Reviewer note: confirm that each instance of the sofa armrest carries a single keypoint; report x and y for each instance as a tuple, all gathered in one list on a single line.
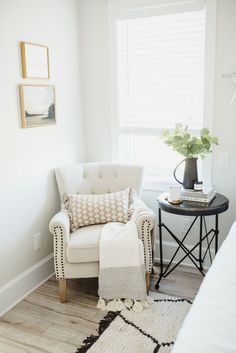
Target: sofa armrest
[(144, 218), (60, 228)]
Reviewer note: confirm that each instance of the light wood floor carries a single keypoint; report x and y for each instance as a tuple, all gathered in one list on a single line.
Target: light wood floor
[(41, 324)]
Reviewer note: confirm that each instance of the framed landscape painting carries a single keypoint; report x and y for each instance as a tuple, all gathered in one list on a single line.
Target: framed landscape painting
[(35, 61), (37, 105)]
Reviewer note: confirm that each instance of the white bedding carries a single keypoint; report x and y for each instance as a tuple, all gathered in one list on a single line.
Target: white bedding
[(210, 326)]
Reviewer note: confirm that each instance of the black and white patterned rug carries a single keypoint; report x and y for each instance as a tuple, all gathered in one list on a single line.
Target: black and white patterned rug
[(153, 330)]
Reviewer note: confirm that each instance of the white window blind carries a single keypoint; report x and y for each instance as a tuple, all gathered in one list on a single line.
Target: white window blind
[(160, 77), (161, 70)]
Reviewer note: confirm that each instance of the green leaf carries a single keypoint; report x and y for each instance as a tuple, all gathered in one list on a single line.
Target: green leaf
[(178, 126), (196, 149), (215, 140), (177, 138), (168, 142), (186, 137), (187, 145), (183, 151), (204, 132), (165, 134), (206, 143)]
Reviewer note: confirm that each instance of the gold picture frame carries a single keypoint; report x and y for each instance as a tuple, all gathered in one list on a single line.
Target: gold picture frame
[(35, 61), (38, 105)]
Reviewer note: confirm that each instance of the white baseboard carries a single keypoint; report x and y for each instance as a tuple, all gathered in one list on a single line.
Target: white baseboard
[(169, 249), (22, 285)]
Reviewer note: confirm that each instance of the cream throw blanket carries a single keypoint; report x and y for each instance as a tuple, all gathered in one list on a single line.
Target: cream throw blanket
[(122, 271)]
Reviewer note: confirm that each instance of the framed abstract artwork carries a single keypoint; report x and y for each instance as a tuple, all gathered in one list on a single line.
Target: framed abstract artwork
[(37, 105), (35, 61)]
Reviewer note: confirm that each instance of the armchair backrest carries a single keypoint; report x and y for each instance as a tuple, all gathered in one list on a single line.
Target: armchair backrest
[(98, 178)]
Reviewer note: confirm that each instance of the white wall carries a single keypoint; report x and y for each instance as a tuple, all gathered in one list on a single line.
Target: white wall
[(224, 113), (95, 71), (95, 77), (28, 192)]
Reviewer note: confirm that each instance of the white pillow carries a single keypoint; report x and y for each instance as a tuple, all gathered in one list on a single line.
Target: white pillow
[(85, 210)]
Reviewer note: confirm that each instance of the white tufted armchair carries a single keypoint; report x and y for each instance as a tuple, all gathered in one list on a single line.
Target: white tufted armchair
[(76, 255)]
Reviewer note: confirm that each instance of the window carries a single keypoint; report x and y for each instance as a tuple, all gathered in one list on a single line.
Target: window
[(160, 81)]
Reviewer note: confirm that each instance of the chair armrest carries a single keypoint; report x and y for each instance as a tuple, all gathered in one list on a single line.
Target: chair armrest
[(61, 220), (60, 228), (141, 212), (144, 218)]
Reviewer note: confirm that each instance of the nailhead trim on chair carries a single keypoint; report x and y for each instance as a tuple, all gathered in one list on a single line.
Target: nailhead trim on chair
[(147, 235), (59, 248), (59, 252)]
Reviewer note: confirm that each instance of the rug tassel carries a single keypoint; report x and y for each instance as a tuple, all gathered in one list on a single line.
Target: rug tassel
[(137, 307), (128, 303), (87, 343), (101, 304), (111, 306), (105, 322), (115, 305), (120, 305), (103, 325)]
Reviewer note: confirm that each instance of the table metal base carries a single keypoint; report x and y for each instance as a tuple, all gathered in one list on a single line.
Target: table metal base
[(204, 234)]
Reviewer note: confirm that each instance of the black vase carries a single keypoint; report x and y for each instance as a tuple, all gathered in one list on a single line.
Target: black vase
[(190, 173)]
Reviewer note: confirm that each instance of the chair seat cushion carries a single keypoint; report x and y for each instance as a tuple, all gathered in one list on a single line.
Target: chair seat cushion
[(83, 245)]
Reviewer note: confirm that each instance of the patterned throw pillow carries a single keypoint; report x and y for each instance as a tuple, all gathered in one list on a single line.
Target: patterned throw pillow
[(85, 210)]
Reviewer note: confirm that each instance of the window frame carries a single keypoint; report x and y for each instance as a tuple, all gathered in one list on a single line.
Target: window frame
[(118, 10)]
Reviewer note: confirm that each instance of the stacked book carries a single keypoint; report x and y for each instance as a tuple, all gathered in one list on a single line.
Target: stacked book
[(206, 195)]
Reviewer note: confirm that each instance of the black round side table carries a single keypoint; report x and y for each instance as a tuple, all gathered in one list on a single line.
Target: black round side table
[(199, 210)]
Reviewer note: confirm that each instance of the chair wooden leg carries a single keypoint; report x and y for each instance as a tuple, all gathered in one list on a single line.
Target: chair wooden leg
[(148, 281), (62, 290)]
